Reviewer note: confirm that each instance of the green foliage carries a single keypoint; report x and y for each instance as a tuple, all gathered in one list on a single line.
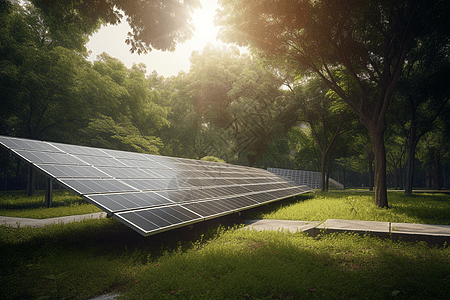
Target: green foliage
[(213, 158), (123, 112), (348, 44), (241, 94), (37, 77), (159, 25), (188, 135)]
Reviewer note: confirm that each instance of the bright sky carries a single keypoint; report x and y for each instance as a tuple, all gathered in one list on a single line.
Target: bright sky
[(111, 39)]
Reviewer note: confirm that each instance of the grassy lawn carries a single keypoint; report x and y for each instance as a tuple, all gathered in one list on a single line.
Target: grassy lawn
[(64, 203), (216, 261), (418, 208)]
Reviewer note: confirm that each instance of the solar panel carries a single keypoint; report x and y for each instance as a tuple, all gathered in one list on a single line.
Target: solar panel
[(151, 193)]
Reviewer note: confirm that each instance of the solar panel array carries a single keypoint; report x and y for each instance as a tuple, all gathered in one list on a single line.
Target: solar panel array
[(308, 178), (152, 193)]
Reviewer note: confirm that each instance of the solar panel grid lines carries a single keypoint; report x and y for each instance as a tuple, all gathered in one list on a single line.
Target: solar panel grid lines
[(146, 221), (152, 193), (299, 177)]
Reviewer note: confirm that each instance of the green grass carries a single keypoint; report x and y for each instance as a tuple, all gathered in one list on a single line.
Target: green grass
[(351, 205), (419, 208), (64, 203), (274, 265), (94, 257), (215, 260)]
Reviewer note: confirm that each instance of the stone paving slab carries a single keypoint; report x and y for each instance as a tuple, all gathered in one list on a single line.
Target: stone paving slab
[(292, 226), (443, 230), (431, 234), (22, 222), (380, 229), (355, 225)]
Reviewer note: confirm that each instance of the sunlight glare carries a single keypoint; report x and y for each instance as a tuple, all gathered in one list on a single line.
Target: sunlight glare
[(205, 31)]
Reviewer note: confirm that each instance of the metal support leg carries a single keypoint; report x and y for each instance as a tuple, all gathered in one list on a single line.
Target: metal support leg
[(31, 181), (48, 192)]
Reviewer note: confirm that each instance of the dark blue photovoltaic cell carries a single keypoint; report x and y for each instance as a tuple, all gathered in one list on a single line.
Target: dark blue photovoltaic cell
[(201, 209), (138, 221), (177, 195), (106, 202), (152, 193), (262, 197), (17, 144), (126, 155), (81, 150), (122, 173), (242, 202), (153, 218), (201, 194), (159, 173), (50, 158), (147, 199), (97, 186), (159, 218), (100, 161), (64, 171), (152, 184), (120, 202)]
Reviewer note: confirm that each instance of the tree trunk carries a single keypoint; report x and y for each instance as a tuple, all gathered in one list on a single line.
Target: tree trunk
[(324, 171), (438, 175), (395, 178), (31, 181), (410, 166), (343, 181), (328, 176), (370, 157), (370, 176), (380, 165)]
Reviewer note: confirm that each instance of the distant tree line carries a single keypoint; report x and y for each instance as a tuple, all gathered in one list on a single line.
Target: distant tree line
[(361, 95)]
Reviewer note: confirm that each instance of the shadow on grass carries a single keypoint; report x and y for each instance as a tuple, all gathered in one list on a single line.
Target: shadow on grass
[(428, 208), (270, 265), (92, 252)]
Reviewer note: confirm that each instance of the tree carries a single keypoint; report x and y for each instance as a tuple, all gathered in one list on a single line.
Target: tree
[(187, 135), (240, 94), (423, 93), (363, 42), (396, 150), (327, 119), (307, 157), (37, 77), (123, 113), (435, 148), (159, 24)]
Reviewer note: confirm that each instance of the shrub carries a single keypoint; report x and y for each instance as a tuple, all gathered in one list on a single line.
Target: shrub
[(213, 158)]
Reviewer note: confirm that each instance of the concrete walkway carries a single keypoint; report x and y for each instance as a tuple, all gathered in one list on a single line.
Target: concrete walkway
[(432, 234), (22, 222)]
